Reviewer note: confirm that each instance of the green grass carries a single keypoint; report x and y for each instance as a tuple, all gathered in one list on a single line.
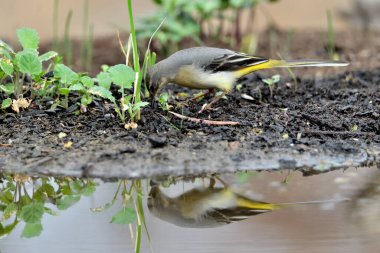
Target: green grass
[(331, 43), (56, 46), (67, 45)]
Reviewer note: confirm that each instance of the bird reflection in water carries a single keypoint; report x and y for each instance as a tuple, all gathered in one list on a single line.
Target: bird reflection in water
[(207, 207), (365, 207)]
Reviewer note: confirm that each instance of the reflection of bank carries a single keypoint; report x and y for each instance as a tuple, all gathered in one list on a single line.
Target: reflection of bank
[(365, 207), (209, 206)]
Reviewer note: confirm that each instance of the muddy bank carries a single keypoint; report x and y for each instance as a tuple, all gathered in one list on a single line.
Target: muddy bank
[(324, 124)]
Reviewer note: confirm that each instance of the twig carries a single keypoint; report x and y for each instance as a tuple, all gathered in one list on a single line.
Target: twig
[(205, 121), (338, 132), (6, 145)]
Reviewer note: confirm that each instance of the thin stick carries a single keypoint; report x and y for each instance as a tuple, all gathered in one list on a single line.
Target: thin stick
[(338, 132), (122, 48), (6, 145), (205, 121)]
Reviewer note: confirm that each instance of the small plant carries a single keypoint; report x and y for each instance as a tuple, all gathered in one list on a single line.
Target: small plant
[(18, 67), (163, 101), (270, 82)]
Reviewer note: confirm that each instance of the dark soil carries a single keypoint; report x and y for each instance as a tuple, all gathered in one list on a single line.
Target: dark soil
[(325, 124)]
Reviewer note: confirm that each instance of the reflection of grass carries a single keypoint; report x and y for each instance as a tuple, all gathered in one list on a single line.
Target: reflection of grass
[(132, 209), (26, 199)]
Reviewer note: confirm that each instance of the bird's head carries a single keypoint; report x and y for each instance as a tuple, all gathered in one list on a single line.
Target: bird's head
[(155, 80)]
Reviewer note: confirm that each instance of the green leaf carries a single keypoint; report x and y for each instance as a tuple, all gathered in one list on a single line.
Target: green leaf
[(5, 53), (87, 81), (4, 231), (10, 210), (32, 230), (164, 97), (89, 189), (272, 80), (64, 91), (104, 80), (6, 103), (77, 86), (7, 88), (6, 46), (32, 213), (139, 105), (86, 100), (122, 75), (102, 92), (67, 201), (47, 56), (124, 216), (28, 62), (64, 73), (7, 66), (28, 38), (50, 211)]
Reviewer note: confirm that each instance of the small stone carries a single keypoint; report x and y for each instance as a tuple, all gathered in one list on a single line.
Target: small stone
[(157, 141)]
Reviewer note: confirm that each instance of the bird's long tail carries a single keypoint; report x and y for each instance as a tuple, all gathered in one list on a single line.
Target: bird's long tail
[(254, 205), (289, 64)]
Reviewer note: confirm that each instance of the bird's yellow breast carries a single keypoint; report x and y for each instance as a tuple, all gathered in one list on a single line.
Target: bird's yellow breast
[(195, 78)]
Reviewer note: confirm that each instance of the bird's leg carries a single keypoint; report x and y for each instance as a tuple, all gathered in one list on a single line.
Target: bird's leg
[(212, 182), (209, 91), (206, 107)]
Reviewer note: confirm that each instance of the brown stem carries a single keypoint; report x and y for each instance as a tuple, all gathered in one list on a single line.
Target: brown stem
[(237, 27), (205, 121)]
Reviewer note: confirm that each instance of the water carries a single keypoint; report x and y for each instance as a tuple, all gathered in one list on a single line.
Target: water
[(327, 227)]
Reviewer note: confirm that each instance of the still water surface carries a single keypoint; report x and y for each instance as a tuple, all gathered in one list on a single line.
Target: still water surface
[(327, 227)]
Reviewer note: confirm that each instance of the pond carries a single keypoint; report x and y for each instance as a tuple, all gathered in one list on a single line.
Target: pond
[(338, 213)]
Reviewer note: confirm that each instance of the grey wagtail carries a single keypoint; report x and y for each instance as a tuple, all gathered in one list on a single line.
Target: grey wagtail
[(215, 68), (209, 207)]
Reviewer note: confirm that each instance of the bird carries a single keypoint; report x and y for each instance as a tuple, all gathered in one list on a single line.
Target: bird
[(210, 68), (209, 207)]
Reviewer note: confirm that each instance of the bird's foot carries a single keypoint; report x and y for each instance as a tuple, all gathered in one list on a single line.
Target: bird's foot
[(207, 107)]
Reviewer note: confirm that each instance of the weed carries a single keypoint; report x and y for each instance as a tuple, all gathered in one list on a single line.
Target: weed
[(17, 66), (270, 82), (163, 101)]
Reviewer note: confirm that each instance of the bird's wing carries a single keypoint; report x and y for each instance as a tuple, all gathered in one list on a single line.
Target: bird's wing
[(232, 62), (229, 215)]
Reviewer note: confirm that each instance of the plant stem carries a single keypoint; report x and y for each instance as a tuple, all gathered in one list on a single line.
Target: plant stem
[(67, 42), (89, 47), (330, 36), (237, 27), (137, 88), (83, 46), (56, 46)]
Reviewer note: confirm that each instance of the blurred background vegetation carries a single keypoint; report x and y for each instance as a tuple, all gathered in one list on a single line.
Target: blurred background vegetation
[(84, 31)]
